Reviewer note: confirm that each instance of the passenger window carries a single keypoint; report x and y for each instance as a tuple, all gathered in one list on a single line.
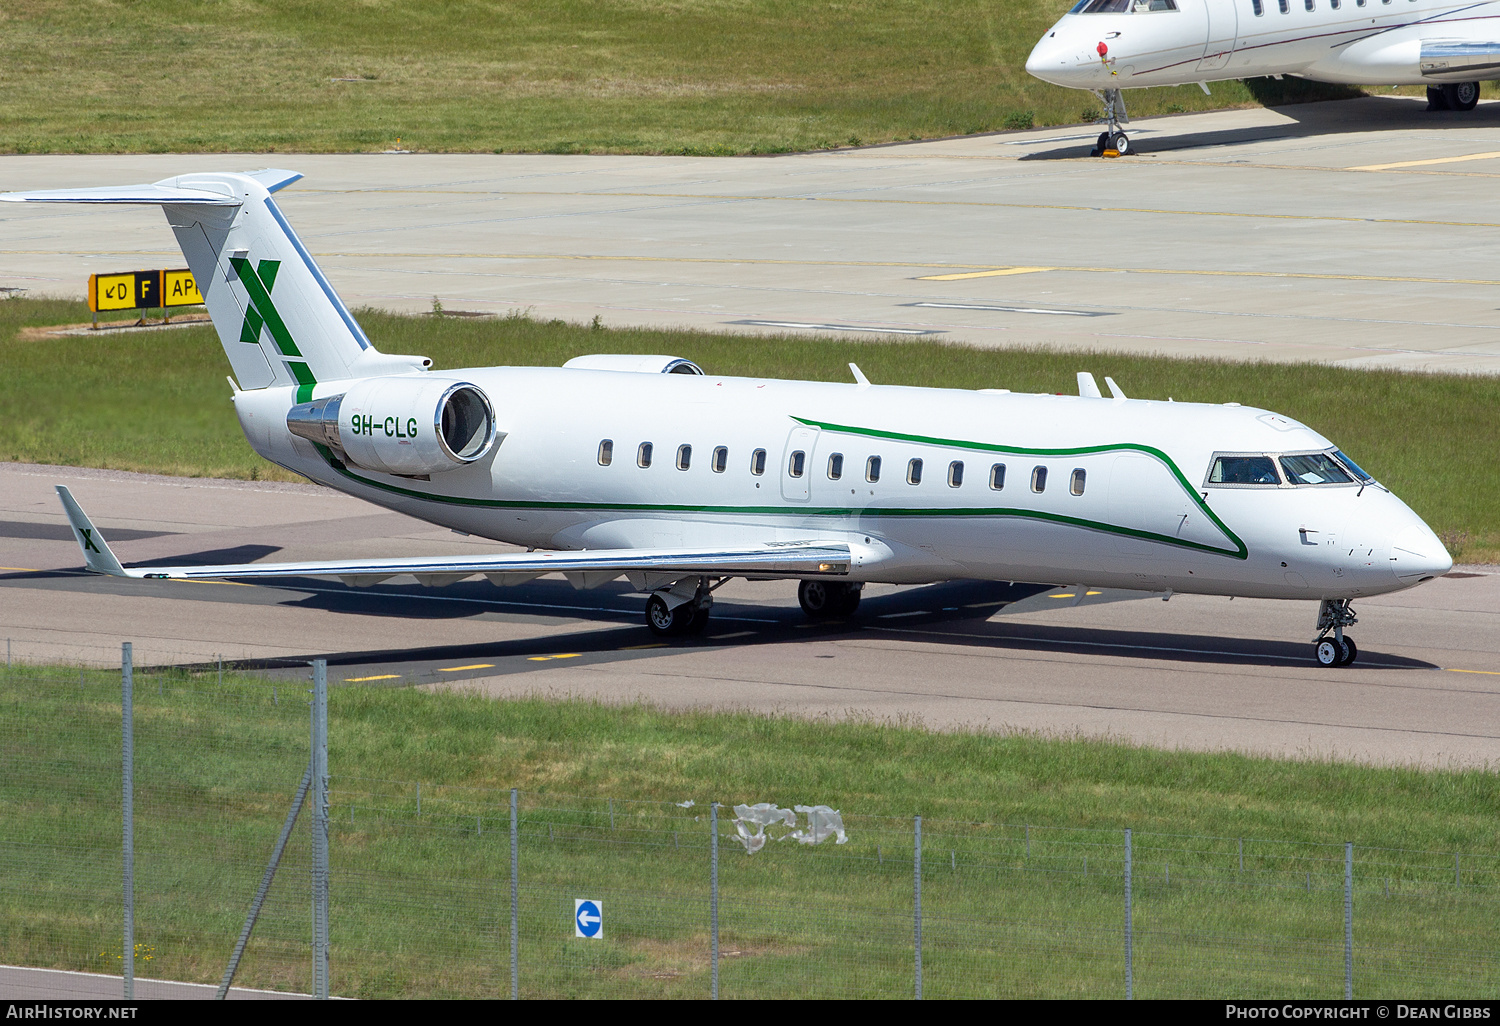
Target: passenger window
[(797, 463), (997, 476), (1285, 6), (684, 457), (643, 455), (914, 472), (1039, 479), (758, 462), (955, 474), (1314, 469), (872, 469), (1334, 4), (1243, 470), (606, 452), (835, 466), (721, 460), (1075, 484), (1311, 5), (1257, 7)]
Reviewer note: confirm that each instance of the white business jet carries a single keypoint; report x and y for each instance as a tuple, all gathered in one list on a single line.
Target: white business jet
[(646, 467), (1109, 45)]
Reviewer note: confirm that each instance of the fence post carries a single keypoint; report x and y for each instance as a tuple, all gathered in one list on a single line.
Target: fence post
[(127, 851), (917, 902), (320, 827), (713, 892), (1129, 928), (515, 921), (1348, 921)]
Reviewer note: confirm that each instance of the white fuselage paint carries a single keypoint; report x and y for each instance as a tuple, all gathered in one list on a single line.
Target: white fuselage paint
[(1136, 525), (1374, 42)]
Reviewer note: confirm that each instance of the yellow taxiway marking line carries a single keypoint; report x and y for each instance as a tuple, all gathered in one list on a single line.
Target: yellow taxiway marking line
[(471, 666), (998, 272), (1487, 673), (637, 648), (22, 569), (1424, 163), (543, 659), (380, 676)]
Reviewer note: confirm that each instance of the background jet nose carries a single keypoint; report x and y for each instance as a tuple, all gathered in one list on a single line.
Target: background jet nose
[(1417, 554), (1050, 61)]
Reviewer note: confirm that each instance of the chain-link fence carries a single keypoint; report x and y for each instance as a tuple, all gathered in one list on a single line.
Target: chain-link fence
[(445, 891)]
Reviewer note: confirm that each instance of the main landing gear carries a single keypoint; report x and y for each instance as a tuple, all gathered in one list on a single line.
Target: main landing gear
[(681, 609), (828, 600), (1454, 96), (1113, 141), (1332, 647)]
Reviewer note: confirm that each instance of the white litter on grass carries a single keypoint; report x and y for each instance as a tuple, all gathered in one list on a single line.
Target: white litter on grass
[(687, 804), (751, 822)]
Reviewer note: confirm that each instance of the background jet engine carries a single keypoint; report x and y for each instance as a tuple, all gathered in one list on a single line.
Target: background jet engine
[(401, 425)]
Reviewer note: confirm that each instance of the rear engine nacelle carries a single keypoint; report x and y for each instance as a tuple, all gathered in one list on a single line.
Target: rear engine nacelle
[(411, 426)]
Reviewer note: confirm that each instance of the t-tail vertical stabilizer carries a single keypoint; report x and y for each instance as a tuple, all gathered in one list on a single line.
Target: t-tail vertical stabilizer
[(277, 316)]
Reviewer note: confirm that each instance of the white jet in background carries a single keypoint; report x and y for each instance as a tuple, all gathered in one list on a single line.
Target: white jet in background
[(646, 467), (1109, 45)]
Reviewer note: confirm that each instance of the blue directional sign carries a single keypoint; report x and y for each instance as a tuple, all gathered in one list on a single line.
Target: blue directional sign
[(588, 919)]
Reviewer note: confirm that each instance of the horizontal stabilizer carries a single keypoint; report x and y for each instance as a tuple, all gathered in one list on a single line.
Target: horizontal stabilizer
[(589, 567), (144, 194)]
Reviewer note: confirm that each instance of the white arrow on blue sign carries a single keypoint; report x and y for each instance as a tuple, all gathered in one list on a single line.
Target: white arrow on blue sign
[(588, 919)]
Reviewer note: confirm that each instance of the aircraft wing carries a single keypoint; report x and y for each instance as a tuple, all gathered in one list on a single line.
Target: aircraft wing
[(648, 569)]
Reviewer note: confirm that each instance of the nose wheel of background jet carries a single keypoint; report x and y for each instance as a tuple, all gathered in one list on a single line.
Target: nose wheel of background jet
[(1333, 651)]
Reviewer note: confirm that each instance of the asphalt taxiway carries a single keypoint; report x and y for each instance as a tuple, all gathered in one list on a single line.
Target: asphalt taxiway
[(1350, 233), (1195, 672)]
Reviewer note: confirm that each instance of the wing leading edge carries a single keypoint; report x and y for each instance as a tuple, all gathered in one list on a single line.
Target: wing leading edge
[(647, 568)]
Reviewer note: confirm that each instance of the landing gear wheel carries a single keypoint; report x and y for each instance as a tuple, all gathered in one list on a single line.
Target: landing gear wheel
[(687, 618), (1461, 95), (1329, 653), (1351, 651), (827, 600), (1120, 143), (1101, 145), (1435, 98)]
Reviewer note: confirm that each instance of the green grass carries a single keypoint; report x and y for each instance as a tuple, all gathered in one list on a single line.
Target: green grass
[(1022, 850), (552, 76), (158, 402)]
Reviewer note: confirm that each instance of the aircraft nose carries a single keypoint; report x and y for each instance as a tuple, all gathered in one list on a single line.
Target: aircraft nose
[(1052, 60), (1418, 555)]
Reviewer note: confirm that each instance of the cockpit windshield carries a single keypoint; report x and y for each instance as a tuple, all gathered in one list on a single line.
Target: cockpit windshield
[(1314, 468), (1354, 468), (1122, 6), (1243, 470)]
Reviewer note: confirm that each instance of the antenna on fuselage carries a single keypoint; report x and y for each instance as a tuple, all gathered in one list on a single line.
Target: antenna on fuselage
[(1114, 389), (1087, 386)]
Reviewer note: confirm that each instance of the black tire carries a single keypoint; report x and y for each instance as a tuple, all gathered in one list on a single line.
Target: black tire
[(666, 622), (827, 600), (1328, 652), (1351, 651), (1100, 146), (1435, 98), (699, 620), (1461, 95), (852, 594), (1120, 143)]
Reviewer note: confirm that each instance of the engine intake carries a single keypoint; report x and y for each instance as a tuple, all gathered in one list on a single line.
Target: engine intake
[(404, 425)]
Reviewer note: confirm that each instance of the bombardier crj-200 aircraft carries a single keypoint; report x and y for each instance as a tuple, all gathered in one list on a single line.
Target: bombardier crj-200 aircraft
[(1110, 45), (646, 467)]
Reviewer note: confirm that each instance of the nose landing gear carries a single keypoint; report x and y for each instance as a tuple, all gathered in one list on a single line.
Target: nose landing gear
[(1331, 647), (1113, 141)]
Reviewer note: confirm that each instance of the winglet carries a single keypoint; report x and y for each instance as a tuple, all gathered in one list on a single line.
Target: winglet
[(96, 554)]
